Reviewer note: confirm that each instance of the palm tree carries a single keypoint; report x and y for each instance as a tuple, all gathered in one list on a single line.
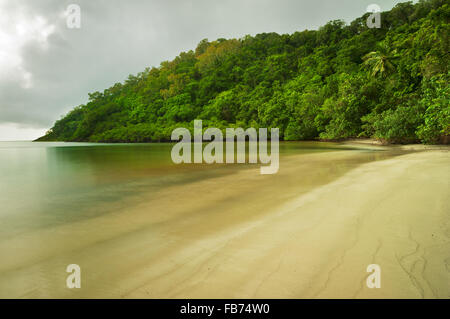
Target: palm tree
[(381, 62)]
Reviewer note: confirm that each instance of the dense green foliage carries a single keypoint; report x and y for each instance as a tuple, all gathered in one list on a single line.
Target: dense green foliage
[(337, 82)]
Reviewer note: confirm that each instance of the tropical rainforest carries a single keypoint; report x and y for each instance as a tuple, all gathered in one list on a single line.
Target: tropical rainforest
[(340, 81)]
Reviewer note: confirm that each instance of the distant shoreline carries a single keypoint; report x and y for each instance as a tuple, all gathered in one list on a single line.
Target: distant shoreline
[(355, 141)]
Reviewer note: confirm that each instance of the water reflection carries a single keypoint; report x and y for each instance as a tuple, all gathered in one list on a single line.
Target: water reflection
[(98, 203)]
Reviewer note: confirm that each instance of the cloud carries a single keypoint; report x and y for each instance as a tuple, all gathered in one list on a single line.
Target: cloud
[(46, 69), (18, 29), (17, 132)]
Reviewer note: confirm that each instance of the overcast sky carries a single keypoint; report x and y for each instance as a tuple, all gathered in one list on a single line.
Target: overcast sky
[(47, 68)]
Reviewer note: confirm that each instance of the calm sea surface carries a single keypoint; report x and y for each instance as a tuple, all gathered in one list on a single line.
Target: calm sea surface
[(50, 193)]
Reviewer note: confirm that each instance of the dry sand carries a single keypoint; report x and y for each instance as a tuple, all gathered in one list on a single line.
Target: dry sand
[(289, 235)]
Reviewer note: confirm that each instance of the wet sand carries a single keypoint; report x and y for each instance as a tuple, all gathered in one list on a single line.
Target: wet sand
[(394, 213), (309, 231)]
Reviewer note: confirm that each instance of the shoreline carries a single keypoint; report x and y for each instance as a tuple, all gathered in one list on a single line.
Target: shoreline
[(405, 147), (290, 235), (351, 140), (389, 213)]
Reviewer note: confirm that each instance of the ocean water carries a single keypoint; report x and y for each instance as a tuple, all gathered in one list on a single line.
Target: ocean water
[(114, 208)]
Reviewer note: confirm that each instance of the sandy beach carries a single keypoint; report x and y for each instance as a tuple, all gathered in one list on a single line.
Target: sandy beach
[(394, 213), (246, 235)]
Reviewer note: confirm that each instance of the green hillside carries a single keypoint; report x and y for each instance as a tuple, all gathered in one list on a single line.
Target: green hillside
[(337, 82)]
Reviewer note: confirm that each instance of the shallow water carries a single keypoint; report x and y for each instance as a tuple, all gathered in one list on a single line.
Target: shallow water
[(116, 208)]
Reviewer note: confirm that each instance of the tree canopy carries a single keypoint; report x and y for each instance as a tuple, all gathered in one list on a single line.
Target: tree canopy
[(337, 82)]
